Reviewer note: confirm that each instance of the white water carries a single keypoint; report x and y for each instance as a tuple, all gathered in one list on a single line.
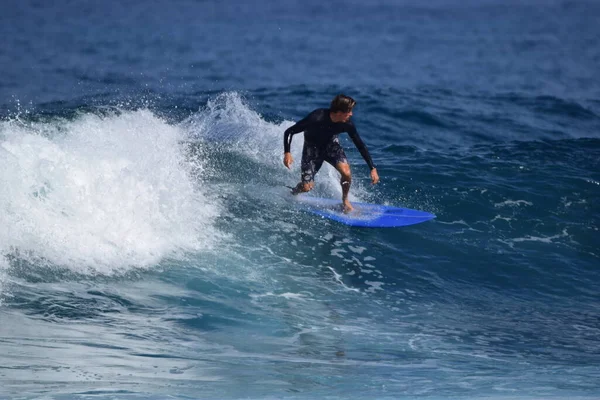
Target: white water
[(99, 195), (108, 194)]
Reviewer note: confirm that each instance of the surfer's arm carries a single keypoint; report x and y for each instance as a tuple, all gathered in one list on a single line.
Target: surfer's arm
[(298, 127), (360, 145)]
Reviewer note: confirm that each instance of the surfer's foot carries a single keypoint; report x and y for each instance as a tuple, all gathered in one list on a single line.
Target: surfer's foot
[(302, 188), (347, 207)]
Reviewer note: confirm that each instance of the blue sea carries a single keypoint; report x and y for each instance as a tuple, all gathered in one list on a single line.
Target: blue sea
[(149, 248)]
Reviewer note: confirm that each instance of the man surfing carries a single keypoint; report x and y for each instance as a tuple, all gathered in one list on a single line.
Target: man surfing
[(321, 129)]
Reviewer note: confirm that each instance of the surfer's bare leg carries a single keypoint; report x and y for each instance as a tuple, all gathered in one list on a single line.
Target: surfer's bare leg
[(303, 187), (345, 181)]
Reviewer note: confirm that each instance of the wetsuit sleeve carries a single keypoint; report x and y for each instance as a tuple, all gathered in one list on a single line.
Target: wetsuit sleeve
[(360, 145), (298, 127)]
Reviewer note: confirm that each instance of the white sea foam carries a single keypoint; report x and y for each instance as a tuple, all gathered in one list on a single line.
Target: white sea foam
[(229, 119), (338, 278), (357, 249), (593, 182), (286, 295), (99, 194), (374, 286), (513, 203), (531, 238), (498, 217), (542, 239)]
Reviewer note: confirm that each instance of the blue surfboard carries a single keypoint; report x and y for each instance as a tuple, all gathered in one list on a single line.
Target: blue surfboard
[(364, 214)]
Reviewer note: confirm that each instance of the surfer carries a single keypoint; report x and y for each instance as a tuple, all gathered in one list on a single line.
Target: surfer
[(321, 143)]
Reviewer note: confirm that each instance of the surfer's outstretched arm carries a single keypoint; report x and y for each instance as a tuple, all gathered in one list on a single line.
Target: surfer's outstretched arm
[(360, 145), (298, 127), (364, 152), (287, 143)]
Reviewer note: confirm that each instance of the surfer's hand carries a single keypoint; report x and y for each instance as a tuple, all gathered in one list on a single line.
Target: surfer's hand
[(374, 176), (287, 160)]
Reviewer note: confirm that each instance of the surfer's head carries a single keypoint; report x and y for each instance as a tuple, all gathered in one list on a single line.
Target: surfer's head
[(341, 108)]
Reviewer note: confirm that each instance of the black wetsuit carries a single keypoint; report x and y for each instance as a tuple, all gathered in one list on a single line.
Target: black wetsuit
[(321, 142)]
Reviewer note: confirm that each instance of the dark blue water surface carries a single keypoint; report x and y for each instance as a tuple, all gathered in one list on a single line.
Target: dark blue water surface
[(149, 248)]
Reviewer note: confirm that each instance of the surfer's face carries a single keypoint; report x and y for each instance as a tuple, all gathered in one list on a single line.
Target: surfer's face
[(341, 116), (347, 115)]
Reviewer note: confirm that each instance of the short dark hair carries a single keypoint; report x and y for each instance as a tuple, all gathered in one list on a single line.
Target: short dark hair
[(342, 103)]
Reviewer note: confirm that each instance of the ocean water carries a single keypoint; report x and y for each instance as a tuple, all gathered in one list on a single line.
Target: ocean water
[(149, 249)]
